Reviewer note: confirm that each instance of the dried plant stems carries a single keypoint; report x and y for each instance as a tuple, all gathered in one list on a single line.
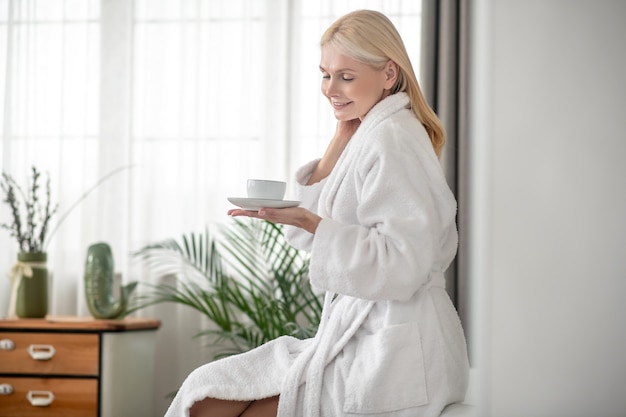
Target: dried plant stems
[(29, 232)]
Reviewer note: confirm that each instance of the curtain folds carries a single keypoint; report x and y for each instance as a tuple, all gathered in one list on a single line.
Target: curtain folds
[(444, 69)]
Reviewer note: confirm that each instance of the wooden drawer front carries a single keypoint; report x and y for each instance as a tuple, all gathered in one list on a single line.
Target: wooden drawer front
[(72, 397), (74, 354)]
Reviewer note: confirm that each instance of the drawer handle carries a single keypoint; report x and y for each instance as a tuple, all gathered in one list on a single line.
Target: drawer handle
[(40, 398), (41, 352), (6, 389), (7, 344)]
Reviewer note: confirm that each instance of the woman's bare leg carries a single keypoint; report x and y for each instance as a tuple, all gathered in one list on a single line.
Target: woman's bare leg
[(212, 407), (267, 407)]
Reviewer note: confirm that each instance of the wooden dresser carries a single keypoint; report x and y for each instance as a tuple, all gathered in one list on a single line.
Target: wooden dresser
[(77, 367)]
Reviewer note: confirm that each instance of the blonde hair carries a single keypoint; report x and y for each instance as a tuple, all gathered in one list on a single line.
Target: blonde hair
[(369, 37)]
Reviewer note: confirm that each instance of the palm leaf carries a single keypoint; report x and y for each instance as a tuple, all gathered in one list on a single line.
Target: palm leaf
[(250, 283)]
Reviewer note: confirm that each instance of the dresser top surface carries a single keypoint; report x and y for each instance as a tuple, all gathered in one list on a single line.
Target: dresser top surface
[(78, 323)]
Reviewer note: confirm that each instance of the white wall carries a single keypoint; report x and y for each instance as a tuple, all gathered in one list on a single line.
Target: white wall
[(548, 175)]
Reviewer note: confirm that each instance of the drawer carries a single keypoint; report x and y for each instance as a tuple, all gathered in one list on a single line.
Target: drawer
[(73, 397), (50, 353)]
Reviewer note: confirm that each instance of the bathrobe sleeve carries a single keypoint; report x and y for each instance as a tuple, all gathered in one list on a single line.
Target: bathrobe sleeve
[(405, 226), (308, 195)]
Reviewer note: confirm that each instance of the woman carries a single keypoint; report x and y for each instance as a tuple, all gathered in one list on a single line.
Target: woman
[(379, 220)]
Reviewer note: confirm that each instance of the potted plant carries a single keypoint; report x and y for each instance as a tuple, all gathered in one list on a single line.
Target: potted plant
[(249, 282), (29, 226)]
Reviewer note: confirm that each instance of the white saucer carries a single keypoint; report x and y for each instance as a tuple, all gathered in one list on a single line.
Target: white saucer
[(254, 204)]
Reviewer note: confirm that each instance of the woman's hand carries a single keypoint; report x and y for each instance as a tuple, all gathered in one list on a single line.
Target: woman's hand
[(293, 216), (345, 129)]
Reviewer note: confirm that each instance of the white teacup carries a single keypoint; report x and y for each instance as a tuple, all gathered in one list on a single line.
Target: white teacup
[(266, 189)]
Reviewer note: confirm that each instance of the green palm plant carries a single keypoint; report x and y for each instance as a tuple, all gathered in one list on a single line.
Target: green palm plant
[(250, 283)]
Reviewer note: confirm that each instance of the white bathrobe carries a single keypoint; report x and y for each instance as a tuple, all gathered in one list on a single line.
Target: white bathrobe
[(390, 342)]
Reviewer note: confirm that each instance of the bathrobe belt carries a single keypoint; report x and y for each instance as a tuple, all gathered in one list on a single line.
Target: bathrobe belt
[(437, 280)]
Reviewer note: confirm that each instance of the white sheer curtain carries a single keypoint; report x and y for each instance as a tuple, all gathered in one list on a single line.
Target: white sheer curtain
[(188, 97)]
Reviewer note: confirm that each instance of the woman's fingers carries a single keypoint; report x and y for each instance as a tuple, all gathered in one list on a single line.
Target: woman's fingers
[(293, 216)]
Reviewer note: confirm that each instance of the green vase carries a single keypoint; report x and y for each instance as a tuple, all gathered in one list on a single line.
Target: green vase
[(32, 295), (99, 284)]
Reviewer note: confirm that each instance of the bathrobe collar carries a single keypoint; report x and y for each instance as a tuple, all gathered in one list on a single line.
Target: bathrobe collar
[(381, 111)]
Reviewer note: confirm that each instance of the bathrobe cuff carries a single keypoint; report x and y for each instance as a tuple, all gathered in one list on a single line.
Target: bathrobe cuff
[(308, 195)]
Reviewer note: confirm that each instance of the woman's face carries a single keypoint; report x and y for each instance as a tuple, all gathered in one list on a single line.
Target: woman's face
[(352, 88)]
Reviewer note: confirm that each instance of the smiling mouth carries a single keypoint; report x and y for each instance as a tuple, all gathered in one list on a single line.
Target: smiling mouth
[(340, 105)]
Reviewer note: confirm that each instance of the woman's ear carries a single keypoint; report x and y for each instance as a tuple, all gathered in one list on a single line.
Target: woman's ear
[(391, 74)]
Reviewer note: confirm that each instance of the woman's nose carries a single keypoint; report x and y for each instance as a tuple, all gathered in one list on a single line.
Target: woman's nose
[(329, 87)]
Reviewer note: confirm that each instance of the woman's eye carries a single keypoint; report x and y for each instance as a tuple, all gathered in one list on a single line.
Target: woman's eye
[(343, 77)]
